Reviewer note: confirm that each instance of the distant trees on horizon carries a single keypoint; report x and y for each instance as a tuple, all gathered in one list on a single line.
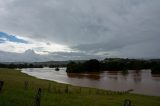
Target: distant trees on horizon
[(93, 65), (25, 65), (113, 64)]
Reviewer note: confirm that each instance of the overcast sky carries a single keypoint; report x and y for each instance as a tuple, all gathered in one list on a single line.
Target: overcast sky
[(81, 29)]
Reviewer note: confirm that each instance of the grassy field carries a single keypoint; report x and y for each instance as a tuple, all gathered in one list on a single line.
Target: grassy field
[(20, 90)]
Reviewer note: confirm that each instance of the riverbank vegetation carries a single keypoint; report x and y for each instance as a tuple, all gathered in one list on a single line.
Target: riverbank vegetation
[(93, 65), (113, 64), (20, 89)]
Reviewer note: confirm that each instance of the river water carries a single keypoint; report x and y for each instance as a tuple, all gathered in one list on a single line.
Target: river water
[(141, 81)]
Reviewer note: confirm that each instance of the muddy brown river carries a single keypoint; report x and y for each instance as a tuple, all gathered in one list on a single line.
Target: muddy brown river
[(141, 81)]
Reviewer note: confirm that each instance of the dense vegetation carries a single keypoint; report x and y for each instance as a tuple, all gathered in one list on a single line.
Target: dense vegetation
[(25, 65), (15, 92), (113, 64), (155, 68), (28, 65), (93, 65)]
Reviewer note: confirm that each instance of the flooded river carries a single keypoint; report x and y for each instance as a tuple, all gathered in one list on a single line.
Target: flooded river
[(141, 81)]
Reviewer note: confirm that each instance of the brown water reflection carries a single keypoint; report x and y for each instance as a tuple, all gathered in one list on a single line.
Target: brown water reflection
[(141, 81), (92, 76)]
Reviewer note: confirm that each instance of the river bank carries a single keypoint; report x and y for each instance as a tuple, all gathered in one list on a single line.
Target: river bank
[(15, 93)]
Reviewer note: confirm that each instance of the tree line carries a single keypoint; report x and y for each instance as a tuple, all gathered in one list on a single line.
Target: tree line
[(25, 65), (113, 64), (93, 65), (29, 65)]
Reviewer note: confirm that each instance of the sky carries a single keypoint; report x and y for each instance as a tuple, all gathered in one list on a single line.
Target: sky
[(80, 29)]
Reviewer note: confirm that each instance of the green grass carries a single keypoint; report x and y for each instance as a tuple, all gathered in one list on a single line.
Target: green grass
[(56, 94)]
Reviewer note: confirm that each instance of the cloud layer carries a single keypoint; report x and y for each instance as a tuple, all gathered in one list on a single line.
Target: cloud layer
[(120, 28)]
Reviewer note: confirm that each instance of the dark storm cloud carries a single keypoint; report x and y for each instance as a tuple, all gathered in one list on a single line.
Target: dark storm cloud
[(115, 27)]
